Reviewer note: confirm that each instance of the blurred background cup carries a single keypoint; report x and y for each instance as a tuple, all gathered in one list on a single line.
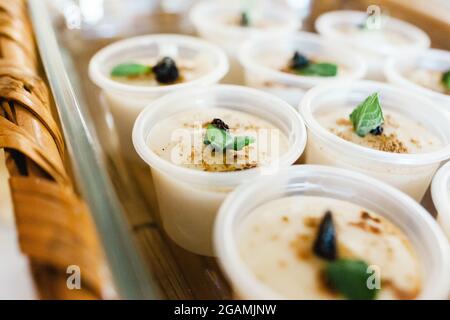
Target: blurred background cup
[(219, 22), (264, 57)]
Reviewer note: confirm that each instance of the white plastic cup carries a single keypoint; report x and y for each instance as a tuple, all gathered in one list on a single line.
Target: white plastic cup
[(188, 199), (440, 192), (421, 229), (370, 44), (263, 57), (397, 68), (209, 19), (411, 173), (127, 100)]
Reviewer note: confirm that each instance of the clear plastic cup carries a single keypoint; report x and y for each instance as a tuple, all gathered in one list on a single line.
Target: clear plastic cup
[(212, 21), (188, 199), (263, 57), (440, 191), (127, 100), (397, 71), (411, 173), (374, 46), (422, 230)]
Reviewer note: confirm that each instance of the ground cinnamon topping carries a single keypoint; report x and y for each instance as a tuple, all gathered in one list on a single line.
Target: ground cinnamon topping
[(383, 142)]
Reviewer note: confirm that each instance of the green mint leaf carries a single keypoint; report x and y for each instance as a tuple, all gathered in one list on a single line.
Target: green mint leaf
[(218, 138), (349, 277), (245, 19), (130, 70), (367, 116), (241, 142), (319, 69), (446, 79)]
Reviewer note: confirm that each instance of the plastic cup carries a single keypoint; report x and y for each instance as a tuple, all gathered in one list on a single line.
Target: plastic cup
[(411, 173), (189, 199), (127, 100), (417, 224), (440, 191), (263, 57), (397, 68), (212, 22), (372, 45)]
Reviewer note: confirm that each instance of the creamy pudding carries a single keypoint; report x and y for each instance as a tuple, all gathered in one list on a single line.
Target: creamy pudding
[(318, 232), (288, 66), (374, 35), (391, 138), (400, 133), (201, 144), (231, 23), (180, 140), (427, 73), (136, 71), (276, 241)]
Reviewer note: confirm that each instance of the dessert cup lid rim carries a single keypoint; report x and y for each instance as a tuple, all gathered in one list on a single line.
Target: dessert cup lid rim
[(440, 195)]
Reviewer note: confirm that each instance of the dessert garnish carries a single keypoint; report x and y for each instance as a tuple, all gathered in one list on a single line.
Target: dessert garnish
[(130, 70), (446, 80), (165, 71), (219, 137), (325, 243), (346, 276), (367, 117), (349, 277), (301, 65), (245, 20)]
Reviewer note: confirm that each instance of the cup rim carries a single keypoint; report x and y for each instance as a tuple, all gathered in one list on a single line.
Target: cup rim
[(440, 196), (301, 36), (106, 83), (392, 74), (230, 179), (241, 276), (198, 19), (420, 39), (364, 152)]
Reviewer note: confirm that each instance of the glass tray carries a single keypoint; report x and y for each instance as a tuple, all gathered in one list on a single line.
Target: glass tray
[(144, 263)]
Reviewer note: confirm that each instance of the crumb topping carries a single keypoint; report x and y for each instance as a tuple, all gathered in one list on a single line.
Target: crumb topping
[(388, 142)]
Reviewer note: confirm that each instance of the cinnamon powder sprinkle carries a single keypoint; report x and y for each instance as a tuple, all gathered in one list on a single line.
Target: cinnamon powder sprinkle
[(383, 142)]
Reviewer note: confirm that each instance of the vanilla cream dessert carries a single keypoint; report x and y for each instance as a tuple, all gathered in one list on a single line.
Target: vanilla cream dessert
[(289, 65), (189, 70), (134, 72), (180, 140), (278, 243), (188, 209), (374, 35), (385, 138), (430, 79), (231, 23), (401, 134)]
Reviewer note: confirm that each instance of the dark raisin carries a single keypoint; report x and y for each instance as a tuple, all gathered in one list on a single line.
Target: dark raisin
[(219, 124), (245, 21), (298, 61), (377, 131), (325, 243), (166, 71)]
